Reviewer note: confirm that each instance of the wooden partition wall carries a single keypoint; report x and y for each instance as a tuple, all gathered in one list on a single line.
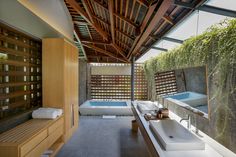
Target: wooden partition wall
[(20, 72), (119, 86)]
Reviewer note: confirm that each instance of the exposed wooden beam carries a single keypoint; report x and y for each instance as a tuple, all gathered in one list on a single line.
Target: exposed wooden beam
[(95, 42), (155, 20), (168, 19), (79, 9), (120, 51), (98, 49), (85, 15), (148, 16), (126, 20), (143, 26)]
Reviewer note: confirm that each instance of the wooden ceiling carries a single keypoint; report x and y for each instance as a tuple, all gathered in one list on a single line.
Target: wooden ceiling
[(115, 30)]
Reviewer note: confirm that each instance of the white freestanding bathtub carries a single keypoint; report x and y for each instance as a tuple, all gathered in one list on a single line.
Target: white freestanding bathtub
[(110, 107)]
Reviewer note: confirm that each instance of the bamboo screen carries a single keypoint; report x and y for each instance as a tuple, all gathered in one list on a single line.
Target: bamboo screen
[(20, 72), (119, 86), (165, 83)]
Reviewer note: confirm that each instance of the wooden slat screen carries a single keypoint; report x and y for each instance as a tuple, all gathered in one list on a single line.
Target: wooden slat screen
[(119, 86), (165, 83), (110, 87), (20, 72), (140, 90)]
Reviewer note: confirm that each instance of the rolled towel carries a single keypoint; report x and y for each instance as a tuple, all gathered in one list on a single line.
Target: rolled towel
[(44, 114), (59, 111)]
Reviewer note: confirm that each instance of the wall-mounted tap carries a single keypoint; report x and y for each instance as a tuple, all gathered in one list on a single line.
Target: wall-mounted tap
[(188, 119)]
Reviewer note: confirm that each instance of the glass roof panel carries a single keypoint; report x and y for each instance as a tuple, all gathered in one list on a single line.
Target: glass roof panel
[(167, 44), (190, 28), (230, 4), (149, 54)]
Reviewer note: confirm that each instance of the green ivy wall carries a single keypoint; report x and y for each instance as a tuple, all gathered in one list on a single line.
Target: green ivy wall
[(216, 48)]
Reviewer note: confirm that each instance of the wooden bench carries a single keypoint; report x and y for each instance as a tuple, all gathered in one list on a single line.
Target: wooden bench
[(32, 138)]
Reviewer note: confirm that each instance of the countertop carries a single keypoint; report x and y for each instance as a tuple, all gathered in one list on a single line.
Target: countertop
[(208, 152)]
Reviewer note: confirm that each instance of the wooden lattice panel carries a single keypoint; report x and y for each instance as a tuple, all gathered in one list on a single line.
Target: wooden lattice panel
[(119, 86), (20, 72), (110, 87), (165, 83), (140, 90)]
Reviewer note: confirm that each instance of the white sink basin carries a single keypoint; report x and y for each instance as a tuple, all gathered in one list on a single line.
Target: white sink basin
[(173, 136), (146, 107)]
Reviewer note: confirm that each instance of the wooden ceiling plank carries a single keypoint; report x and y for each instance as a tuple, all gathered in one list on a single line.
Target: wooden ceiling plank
[(132, 10), (111, 11), (157, 17), (110, 54), (100, 4), (126, 20), (121, 7), (143, 2), (136, 17), (127, 35), (126, 8)]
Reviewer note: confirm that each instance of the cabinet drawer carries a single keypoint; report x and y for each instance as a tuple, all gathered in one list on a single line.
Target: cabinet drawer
[(52, 138), (55, 125), (33, 142), (39, 149)]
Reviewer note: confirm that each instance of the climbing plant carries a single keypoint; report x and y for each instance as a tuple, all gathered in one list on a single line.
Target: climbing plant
[(215, 48)]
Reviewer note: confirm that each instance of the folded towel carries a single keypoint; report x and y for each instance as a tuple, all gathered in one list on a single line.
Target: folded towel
[(44, 114), (59, 111)]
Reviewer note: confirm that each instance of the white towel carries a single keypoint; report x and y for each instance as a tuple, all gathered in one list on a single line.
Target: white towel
[(59, 111), (44, 114)]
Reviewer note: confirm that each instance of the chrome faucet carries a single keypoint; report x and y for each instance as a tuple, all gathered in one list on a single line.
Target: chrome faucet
[(188, 119)]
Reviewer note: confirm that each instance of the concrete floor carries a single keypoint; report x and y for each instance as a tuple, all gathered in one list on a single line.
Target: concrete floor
[(97, 137)]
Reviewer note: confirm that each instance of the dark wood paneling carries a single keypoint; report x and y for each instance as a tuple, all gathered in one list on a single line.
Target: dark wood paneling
[(20, 72)]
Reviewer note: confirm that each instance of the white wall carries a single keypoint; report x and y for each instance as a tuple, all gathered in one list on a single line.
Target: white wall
[(16, 15), (53, 12), (111, 70)]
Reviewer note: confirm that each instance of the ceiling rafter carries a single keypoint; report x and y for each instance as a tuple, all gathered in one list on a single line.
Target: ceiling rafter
[(84, 14), (168, 19), (111, 11), (157, 17), (98, 49), (143, 26), (96, 42)]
